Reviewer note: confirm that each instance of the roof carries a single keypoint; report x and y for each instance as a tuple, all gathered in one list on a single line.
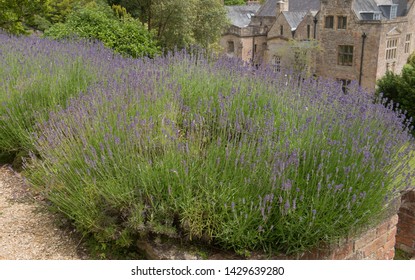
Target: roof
[(241, 15), (294, 18), (384, 2), (304, 5), (268, 9), (363, 8), (375, 6)]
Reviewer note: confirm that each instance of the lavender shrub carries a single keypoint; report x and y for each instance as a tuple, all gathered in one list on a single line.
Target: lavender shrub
[(212, 150), (37, 76)]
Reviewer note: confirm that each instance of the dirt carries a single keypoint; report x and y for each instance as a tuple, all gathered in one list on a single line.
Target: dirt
[(28, 231)]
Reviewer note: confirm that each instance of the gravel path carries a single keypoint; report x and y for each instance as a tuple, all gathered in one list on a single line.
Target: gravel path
[(27, 230)]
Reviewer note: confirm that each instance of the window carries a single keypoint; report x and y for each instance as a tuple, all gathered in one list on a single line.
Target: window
[(276, 63), (407, 43), (341, 22), (281, 30), (308, 31), (391, 48), (255, 48), (345, 84), (345, 55), (376, 16), (329, 23), (231, 47), (394, 11)]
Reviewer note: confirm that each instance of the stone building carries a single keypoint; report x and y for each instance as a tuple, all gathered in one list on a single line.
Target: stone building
[(342, 39)]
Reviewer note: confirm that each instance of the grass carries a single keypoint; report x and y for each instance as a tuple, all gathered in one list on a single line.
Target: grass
[(402, 255)]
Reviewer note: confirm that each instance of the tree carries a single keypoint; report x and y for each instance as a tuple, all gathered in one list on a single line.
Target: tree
[(17, 16), (234, 2), (178, 23), (118, 31), (400, 88)]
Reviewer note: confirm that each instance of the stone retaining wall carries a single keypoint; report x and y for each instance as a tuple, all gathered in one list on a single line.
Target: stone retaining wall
[(376, 243), (405, 238)]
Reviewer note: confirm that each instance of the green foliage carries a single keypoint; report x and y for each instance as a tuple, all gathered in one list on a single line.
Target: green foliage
[(125, 35), (234, 2), (400, 88), (17, 16), (58, 10), (202, 149), (178, 23), (33, 88)]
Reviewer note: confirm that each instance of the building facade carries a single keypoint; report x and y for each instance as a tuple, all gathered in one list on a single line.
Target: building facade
[(342, 39)]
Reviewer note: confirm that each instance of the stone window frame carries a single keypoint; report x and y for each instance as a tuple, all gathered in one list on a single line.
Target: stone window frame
[(276, 62), (408, 38), (391, 51), (231, 47), (342, 22), (345, 83), (345, 55), (329, 22)]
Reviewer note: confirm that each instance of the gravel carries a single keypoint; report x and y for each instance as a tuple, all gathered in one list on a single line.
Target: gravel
[(28, 231)]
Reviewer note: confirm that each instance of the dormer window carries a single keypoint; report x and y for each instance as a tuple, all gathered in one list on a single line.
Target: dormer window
[(394, 11)]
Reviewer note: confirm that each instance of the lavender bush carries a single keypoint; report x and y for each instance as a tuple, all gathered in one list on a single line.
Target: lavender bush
[(212, 150), (37, 76)]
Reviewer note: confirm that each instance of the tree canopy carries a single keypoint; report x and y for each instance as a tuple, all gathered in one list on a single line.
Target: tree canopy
[(17, 15), (401, 88), (21, 16), (117, 30), (234, 2), (179, 23)]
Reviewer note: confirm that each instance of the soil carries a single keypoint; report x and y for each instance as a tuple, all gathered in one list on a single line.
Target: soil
[(28, 231)]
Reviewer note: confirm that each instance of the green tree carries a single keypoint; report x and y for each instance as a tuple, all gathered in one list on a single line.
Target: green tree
[(234, 2), (124, 34), (58, 10), (179, 23), (400, 88), (18, 16)]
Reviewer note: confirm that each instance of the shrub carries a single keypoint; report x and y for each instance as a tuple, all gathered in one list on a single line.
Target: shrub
[(400, 88), (125, 35), (37, 76), (209, 149)]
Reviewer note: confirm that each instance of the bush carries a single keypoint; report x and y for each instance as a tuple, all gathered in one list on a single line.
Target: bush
[(208, 149), (126, 36), (38, 76), (400, 89)]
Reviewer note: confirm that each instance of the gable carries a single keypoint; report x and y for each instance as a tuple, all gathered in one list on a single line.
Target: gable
[(394, 32)]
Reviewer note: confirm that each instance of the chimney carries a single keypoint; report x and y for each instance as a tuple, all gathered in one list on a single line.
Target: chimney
[(281, 6)]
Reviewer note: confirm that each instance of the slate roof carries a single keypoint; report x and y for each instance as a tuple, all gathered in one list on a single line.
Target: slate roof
[(268, 9), (304, 5), (294, 18), (384, 2), (241, 15), (360, 6)]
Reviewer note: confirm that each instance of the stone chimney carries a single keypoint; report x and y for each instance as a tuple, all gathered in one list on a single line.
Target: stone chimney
[(281, 6)]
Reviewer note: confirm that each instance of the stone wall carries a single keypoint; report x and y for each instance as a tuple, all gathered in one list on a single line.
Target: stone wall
[(374, 244), (405, 238)]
